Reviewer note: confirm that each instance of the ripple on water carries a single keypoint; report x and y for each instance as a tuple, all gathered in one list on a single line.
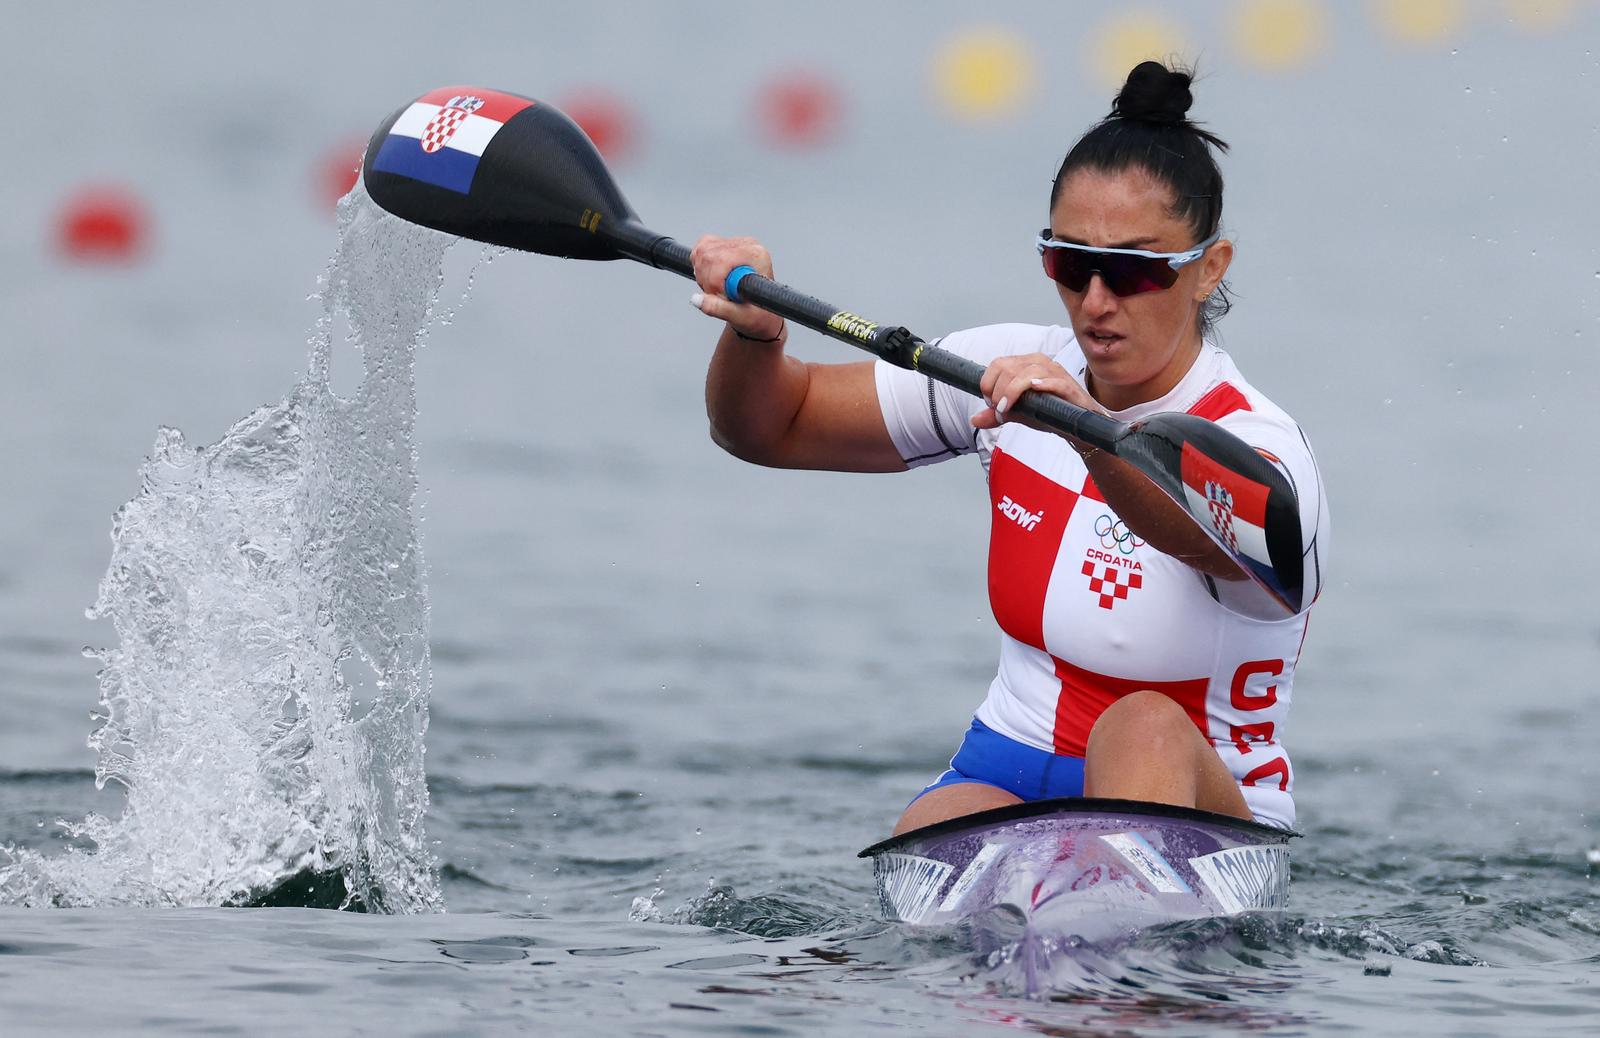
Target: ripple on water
[(488, 949), (35, 647), (760, 915), (46, 777)]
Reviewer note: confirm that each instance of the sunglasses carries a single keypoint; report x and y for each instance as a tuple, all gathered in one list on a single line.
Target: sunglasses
[(1126, 272)]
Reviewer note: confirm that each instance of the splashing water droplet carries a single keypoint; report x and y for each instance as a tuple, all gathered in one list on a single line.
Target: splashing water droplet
[(645, 909), (253, 585)]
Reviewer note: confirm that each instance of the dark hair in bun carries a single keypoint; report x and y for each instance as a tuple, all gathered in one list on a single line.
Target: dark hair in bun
[(1149, 129), (1154, 94)]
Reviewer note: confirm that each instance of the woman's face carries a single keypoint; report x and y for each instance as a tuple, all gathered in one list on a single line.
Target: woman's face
[(1139, 346)]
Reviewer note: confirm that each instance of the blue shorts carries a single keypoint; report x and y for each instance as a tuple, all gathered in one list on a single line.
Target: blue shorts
[(1019, 769)]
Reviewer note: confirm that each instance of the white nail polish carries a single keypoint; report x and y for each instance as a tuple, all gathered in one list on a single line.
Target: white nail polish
[(1037, 381), (1000, 408), (697, 300)]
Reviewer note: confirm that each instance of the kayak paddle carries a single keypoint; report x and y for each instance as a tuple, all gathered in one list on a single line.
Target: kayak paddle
[(511, 171)]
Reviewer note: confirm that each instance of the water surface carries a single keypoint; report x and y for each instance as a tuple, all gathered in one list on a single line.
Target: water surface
[(660, 674)]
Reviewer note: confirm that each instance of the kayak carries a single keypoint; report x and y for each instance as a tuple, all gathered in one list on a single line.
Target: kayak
[(1033, 880)]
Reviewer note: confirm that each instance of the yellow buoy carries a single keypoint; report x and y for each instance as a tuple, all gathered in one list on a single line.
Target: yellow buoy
[(1539, 15), (1279, 34), (1129, 39), (984, 73), (1419, 21)]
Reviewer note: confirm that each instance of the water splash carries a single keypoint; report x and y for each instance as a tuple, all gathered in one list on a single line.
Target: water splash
[(788, 913), (266, 702)]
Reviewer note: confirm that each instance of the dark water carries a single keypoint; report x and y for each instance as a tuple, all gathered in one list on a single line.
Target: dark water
[(660, 674)]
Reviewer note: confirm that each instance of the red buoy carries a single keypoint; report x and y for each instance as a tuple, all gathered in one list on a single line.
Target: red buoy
[(338, 170), (799, 110), (102, 223), (605, 119)]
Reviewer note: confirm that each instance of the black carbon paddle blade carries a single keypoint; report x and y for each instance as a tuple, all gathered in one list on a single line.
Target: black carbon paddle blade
[(1239, 498), (497, 168)]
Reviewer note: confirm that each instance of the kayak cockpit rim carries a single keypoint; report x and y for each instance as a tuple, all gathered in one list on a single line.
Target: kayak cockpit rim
[(1066, 805)]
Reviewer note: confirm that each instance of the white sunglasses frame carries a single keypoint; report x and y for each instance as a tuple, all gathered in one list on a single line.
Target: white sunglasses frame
[(1176, 260)]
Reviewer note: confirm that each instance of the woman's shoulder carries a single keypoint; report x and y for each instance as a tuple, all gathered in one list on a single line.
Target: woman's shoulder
[(1249, 414), (1231, 401), (1227, 397), (987, 342)]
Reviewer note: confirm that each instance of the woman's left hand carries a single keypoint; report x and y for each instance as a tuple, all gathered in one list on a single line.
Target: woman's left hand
[(1007, 378), (1146, 508)]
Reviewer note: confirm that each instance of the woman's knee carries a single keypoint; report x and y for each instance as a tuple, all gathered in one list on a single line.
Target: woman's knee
[(1145, 747), (1146, 717)]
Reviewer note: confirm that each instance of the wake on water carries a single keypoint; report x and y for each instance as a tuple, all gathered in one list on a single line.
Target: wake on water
[(266, 702)]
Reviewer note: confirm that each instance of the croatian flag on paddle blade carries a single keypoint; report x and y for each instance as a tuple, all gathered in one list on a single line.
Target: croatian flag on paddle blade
[(1235, 507), (441, 137)]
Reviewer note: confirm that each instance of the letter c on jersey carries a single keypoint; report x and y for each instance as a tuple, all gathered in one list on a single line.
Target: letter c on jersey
[(1246, 671)]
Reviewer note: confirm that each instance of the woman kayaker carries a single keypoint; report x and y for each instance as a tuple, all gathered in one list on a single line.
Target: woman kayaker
[(1136, 661)]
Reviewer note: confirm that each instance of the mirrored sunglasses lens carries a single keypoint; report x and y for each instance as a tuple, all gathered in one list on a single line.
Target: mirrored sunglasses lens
[(1067, 268), (1131, 275), (1123, 275)]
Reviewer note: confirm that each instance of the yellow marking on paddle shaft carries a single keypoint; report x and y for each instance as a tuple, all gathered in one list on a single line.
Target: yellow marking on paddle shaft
[(916, 356), (848, 323), (590, 220)]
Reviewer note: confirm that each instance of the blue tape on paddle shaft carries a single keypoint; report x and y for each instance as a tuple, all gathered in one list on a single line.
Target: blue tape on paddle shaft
[(730, 286)]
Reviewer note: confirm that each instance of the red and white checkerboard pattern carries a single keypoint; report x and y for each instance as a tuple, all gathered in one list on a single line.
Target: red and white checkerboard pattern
[(1109, 584), (444, 125), (1220, 504)]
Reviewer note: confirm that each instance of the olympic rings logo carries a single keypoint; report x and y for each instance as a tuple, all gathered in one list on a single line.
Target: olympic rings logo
[(1114, 533)]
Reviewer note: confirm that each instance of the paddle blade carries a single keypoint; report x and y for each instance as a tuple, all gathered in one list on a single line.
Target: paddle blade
[(497, 168), (1239, 498)]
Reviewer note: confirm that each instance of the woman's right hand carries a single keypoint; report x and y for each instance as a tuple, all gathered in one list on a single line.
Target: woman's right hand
[(771, 408), (713, 258)]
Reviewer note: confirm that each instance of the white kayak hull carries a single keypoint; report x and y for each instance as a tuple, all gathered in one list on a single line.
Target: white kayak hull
[(1032, 880)]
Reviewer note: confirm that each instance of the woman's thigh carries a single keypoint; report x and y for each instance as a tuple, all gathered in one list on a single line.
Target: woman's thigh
[(952, 801)]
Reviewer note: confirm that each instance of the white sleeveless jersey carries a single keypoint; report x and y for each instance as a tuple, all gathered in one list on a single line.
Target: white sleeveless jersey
[(1089, 612)]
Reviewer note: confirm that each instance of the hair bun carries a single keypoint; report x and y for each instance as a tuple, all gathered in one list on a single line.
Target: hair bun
[(1154, 94)]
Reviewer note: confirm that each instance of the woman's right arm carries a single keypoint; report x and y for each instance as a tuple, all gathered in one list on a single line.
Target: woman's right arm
[(770, 408)]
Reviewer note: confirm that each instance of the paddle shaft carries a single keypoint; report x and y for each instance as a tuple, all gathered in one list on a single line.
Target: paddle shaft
[(894, 344), (539, 185)]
